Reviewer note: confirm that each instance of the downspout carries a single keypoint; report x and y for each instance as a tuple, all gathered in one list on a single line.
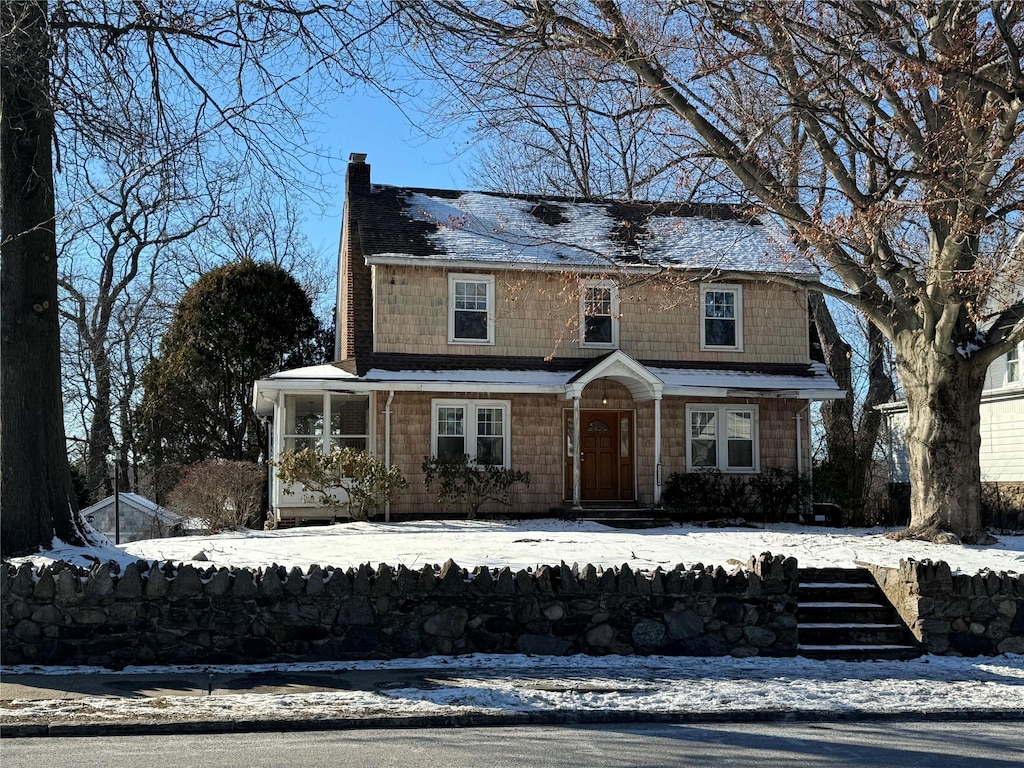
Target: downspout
[(800, 446), (576, 457), (387, 447), (271, 515), (657, 451)]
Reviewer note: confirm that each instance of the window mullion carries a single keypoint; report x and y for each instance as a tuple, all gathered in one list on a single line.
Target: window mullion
[(325, 441)]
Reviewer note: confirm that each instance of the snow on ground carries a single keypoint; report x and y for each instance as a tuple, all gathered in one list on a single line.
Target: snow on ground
[(524, 544), (487, 684), (482, 684)]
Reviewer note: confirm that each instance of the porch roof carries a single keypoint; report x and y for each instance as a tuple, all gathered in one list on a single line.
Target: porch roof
[(564, 377)]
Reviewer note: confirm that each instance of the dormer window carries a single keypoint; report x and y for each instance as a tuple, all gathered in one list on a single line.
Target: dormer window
[(599, 314), (1013, 365), (721, 325), (470, 309)]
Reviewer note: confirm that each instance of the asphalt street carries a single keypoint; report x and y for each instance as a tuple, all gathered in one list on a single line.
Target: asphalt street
[(780, 745)]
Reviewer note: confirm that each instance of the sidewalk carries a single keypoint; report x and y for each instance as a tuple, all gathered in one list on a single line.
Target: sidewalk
[(501, 690)]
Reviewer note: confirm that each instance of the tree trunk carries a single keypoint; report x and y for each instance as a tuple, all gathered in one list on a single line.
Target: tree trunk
[(36, 493), (851, 449), (101, 433), (943, 392)]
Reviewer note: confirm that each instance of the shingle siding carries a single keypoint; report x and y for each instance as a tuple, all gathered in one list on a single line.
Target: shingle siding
[(537, 315)]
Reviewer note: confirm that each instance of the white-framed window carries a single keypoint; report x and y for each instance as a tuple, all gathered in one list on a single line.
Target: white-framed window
[(721, 317), (723, 437), (599, 314), (1013, 365), (475, 428), (470, 309), (347, 414)]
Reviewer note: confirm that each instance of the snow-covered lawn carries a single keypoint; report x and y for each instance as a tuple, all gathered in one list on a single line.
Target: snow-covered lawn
[(528, 544)]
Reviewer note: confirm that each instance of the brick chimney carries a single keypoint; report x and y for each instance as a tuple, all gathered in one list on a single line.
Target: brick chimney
[(357, 178), (354, 332)]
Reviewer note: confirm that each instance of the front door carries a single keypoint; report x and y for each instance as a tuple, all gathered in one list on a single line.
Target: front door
[(606, 455)]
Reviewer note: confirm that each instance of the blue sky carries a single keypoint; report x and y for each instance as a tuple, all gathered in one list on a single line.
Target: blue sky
[(398, 151)]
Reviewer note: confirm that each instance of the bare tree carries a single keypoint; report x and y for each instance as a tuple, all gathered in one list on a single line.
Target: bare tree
[(589, 136), (232, 72), (114, 245), (902, 122)]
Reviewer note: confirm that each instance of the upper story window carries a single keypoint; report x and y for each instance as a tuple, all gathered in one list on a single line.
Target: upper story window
[(721, 325), (306, 416), (722, 437), (599, 314), (475, 428), (470, 309), (1013, 365)]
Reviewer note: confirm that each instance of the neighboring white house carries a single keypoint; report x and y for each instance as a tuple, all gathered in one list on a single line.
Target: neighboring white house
[(1002, 424), (137, 518)]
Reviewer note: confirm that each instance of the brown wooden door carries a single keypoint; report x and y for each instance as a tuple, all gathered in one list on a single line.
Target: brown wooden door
[(599, 457), (606, 463)]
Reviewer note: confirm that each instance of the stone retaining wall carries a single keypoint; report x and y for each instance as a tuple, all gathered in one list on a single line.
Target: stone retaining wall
[(146, 614), (957, 614)]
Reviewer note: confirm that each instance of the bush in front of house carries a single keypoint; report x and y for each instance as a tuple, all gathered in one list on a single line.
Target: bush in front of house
[(367, 482), (462, 481), (770, 496), (222, 494)]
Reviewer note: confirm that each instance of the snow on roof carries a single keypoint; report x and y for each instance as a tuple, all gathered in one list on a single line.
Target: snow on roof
[(139, 502), (524, 232), (326, 371), (712, 382), (819, 380)]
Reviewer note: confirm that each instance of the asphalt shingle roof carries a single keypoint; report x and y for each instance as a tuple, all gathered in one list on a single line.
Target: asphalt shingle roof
[(531, 231)]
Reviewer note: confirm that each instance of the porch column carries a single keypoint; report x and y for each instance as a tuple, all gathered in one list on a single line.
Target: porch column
[(576, 457), (657, 450)]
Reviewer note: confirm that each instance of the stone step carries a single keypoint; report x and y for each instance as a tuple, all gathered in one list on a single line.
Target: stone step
[(843, 592), (834, 575), (844, 612), (838, 633), (843, 652)]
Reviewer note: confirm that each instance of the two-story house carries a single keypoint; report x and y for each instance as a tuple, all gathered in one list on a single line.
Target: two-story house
[(597, 345)]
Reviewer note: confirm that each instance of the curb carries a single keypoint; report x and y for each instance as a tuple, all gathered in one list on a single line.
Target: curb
[(503, 720)]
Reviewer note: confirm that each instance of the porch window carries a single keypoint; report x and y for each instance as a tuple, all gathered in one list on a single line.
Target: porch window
[(470, 309), (1013, 365), (305, 422), (350, 423), (599, 314), (721, 317), (475, 428), (722, 437), (307, 414)]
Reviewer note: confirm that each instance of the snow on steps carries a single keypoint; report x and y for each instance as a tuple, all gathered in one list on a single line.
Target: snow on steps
[(842, 614)]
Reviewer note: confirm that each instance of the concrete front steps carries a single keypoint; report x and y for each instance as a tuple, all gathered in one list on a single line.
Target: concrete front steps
[(842, 614)]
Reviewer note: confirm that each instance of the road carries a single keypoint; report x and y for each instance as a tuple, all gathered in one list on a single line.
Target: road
[(780, 745)]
